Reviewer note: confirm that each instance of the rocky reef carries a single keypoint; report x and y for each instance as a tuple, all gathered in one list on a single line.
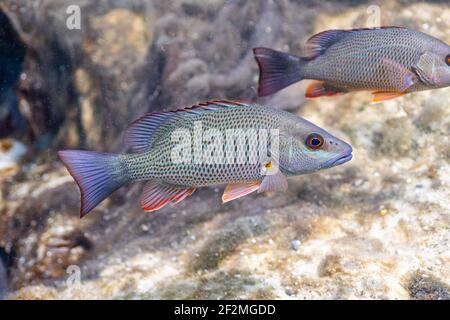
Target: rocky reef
[(377, 227)]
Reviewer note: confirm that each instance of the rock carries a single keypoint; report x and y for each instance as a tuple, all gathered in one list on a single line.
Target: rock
[(12, 52), (226, 242), (11, 152), (295, 245), (357, 231), (425, 287)]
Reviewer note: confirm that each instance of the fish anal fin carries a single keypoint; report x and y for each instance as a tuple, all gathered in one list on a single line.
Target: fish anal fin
[(319, 89), (380, 96), (156, 195), (236, 190)]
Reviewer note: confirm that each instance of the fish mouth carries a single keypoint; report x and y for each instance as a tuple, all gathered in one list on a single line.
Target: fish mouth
[(342, 159)]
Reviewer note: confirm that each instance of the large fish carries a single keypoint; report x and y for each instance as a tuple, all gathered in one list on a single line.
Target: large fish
[(388, 61), (208, 144)]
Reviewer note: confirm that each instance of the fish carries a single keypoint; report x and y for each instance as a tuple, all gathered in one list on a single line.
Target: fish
[(248, 147), (387, 61)]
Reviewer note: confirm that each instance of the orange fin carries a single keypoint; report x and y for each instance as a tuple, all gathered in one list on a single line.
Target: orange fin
[(237, 190), (380, 96), (155, 195), (318, 89)]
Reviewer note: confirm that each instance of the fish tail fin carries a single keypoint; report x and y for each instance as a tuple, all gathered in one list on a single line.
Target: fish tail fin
[(97, 175), (277, 70)]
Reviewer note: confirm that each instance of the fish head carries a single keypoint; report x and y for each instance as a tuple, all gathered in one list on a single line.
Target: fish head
[(309, 148), (434, 66)]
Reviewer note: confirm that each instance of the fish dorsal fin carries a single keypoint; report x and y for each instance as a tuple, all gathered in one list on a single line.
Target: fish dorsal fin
[(156, 195), (226, 103), (320, 42), (139, 134)]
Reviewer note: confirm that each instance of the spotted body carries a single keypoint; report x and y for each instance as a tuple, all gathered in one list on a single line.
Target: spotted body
[(241, 119), (388, 61), (287, 146)]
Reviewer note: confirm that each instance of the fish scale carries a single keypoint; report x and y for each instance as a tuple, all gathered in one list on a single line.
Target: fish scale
[(191, 174)]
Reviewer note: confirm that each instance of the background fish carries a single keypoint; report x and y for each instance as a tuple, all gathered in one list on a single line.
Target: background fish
[(388, 61), (303, 148)]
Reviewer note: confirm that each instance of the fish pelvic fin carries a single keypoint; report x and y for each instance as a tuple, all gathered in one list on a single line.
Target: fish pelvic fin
[(156, 195), (236, 190), (380, 96), (97, 175), (277, 70), (274, 181), (319, 89)]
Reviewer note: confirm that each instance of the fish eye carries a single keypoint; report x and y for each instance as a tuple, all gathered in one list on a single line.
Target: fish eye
[(314, 141), (447, 59)]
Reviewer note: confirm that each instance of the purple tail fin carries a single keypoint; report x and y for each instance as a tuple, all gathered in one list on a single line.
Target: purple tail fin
[(277, 70), (97, 175)]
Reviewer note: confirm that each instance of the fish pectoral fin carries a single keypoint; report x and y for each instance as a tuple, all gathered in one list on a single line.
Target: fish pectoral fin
[(273, 181), (156, 195), (319, 89), (380, 96), (237, 190), (395, 70)]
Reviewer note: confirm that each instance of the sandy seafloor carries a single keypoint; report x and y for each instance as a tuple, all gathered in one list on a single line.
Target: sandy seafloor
[(377, 227)]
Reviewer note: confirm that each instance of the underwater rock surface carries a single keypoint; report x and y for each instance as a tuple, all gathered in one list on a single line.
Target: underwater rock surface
[(377, 227)]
